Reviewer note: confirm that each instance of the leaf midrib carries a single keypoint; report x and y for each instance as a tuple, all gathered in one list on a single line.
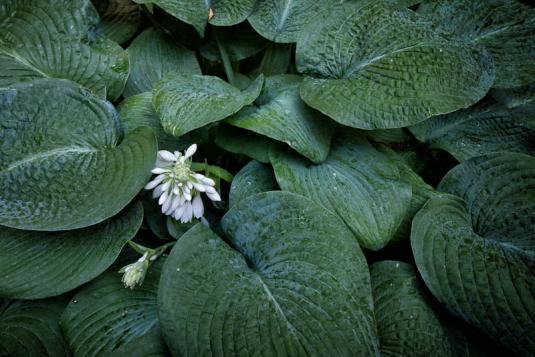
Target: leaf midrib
[(48, 153)]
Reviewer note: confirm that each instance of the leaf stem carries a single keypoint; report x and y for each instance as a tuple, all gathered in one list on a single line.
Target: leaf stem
[(227, 65)]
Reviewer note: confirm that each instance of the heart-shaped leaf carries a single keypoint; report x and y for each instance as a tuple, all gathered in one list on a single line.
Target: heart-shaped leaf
[(357, 182), (280, 114), (407, 322), (252, 179), (32, 264), (187, 102), (62, 166), (49, 38), (480, 130), (152, 57), (506, 28), (370, 67), (104, 315), (295, 284), (199, 13), (476, 252), (31, 328)]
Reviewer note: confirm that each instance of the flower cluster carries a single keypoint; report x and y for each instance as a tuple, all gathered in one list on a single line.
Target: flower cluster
[(178, 188)]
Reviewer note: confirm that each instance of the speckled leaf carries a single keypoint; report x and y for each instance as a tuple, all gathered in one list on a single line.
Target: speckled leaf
[(31, 329), (104, 315), (296, 284), (280, 114), (480, 130), (152, 57), (370, 67), (407, 322), (283, 20), (240, 42), (32, 264), (62, 165), (197, 13), (476, 253), (253, 178), (357, 182), (506, 28), (187, 102), (244, 142), (120, 19), (49, 38)]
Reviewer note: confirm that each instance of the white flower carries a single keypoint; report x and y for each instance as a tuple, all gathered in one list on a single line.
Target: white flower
[(178, 188)]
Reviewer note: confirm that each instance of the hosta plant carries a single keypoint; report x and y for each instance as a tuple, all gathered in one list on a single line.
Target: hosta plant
[(267, 177)]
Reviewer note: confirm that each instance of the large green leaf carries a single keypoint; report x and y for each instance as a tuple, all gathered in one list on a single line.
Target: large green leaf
[(514, 97), (187, 102), (197, 13), (476, 252), (280, 114), (357, 182), (62, 166), (407, 322), (240, 42), (152, 57), (506, 28), (283, 20), (243, 142), (104, 315), (32, 264), (297, 284), (49, 38), (31, 329), (253, 178), (480, 130), (120, 19), (148, 345), (370, 67)]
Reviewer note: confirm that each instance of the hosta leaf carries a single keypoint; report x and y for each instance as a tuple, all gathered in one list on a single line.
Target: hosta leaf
[(280, 114), (480, 130), (283, 20), (514, 97), (506, 28), (32, 264), (152, 57), (243, 142), (406, 320), (240, 42), (297, 284), (198, 13), (371, 67), (187, 102), (148, 345), (137, 111), (104, 315), (357, 182), (253, 178), (476, 253), (120, 19), (31, 328), (48, 38), (62, 166)]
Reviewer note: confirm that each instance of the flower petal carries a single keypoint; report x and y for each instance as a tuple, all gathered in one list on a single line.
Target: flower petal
[(166, 155), (214, 196), (198, 207), (191, 150), (160, 170)]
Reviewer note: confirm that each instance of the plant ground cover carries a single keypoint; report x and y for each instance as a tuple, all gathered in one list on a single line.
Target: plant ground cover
[(267, 177)]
